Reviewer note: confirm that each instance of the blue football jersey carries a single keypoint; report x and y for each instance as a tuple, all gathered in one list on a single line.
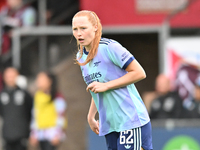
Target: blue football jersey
[(119, 109)]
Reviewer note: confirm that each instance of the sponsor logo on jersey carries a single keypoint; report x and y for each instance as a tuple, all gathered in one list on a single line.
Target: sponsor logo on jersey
[(124, 55), (92, 77)]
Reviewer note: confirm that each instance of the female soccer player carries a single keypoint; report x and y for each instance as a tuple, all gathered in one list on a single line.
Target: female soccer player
[(110, 72)]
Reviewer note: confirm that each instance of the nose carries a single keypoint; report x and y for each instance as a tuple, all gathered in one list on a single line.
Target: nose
[(79, 33)]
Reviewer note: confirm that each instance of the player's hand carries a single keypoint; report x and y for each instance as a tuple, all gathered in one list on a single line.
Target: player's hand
[(33, 141), (94, 125), (55, 141), (97, 87)]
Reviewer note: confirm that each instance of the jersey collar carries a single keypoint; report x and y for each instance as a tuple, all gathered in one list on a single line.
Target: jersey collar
[(84, 50)]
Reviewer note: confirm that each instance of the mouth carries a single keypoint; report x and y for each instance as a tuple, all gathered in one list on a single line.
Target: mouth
[(81, 40)]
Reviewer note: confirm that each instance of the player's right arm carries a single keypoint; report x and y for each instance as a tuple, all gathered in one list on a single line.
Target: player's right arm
[(94, 124)]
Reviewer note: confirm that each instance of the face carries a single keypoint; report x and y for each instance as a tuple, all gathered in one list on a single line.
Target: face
[(10, 76), (162, 84), (14, 3), (83, 31), (43, 82)]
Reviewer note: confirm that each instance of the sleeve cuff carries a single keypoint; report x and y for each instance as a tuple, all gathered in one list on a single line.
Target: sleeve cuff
[(128, 62)]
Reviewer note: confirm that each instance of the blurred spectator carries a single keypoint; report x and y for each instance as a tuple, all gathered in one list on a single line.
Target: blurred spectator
[(194, 107), (165, 103), (15, 110), (14, 14), (185, 82), (49, 120)]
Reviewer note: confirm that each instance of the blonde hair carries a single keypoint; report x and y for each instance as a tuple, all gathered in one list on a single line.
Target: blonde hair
[(94, 19)]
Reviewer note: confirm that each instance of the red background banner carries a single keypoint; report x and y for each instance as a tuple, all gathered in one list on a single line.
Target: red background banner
[(126, 12)]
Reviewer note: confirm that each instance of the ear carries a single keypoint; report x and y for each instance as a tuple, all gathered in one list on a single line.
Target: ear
[(95, 28)]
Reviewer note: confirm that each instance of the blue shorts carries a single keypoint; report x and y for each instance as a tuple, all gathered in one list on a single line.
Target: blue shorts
[(132, 139)]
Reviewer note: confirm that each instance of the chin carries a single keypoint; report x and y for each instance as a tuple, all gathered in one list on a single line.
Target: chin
[(83, 44)]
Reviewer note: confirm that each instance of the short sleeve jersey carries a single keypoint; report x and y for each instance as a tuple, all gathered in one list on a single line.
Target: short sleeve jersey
[(119, 109)]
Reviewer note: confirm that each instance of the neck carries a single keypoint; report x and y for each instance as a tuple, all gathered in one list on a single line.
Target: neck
[(17, 7), (47, 91), (11, 87), (88, 48)]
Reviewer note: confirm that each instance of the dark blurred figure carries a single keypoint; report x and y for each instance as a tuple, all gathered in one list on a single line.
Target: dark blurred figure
[(185, 83), (166, 103), (15, 110), (49, 122), (1, 81), (14, 14), (61, 12)]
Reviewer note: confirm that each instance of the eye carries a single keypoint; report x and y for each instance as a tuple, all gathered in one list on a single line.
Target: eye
[(74, 29)]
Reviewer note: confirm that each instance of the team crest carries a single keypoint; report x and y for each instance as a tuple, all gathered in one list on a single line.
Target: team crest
[(97, 63), (19, 97), (5, 98)]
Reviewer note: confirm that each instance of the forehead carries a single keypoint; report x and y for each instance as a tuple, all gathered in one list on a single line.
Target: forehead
[(42, 75), (11, 71), (81, 21)]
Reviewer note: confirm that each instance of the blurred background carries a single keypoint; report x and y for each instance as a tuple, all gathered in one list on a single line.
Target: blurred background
[(164, 36)]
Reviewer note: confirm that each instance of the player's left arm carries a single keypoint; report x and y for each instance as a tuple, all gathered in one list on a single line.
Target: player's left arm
[(135, 73), (94, 124)]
